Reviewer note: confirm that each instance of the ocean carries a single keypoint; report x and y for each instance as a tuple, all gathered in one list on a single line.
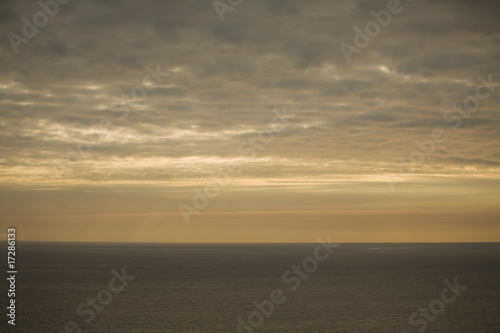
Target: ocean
[(189, 288)]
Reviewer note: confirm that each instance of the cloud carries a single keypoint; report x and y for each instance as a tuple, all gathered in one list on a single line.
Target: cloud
[(226, 78)]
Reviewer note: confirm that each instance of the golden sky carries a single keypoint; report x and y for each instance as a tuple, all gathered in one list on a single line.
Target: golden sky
[(158, 122)]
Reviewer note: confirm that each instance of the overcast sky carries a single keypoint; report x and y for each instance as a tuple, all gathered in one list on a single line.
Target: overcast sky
[(86, 153)]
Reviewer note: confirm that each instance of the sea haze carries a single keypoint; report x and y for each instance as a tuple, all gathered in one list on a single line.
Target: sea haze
[(206, 287)]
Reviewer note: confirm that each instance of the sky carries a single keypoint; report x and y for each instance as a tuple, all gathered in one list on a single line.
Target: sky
[(260, 121)]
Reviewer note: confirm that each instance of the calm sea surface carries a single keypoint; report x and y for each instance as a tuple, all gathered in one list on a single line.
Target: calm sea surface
[(205, 288)]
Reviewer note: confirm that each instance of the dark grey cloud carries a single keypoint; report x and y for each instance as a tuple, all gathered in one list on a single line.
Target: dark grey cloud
[(227, 77)]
